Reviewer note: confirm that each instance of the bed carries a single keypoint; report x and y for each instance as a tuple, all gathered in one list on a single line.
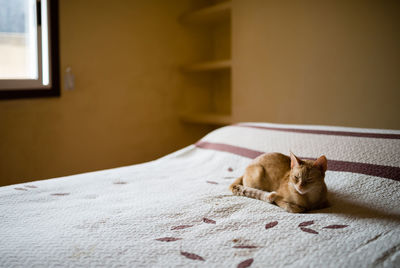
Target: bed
[(177, 211)]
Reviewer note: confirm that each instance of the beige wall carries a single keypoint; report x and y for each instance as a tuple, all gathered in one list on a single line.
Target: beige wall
[(317, 62), (314, 62), (124, 109)]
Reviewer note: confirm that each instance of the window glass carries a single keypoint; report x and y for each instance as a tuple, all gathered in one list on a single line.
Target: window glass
[(18, 39)]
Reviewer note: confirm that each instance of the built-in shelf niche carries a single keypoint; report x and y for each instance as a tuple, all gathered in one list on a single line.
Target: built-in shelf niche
[(216, 69), (212, 14), (207, 66)]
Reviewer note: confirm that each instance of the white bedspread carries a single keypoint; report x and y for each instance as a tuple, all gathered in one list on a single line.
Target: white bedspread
[(178, 211)]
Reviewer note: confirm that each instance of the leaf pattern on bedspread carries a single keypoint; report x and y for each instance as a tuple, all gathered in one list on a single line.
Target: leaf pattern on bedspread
[(308, 230), (335, 226), (209, 221), (244, 246), (192, 256), (119, 182), (21, 189), (179, 227), (168, 239), (60, 194), (230, 169), (212, 182), (245, 263), (306, 223), (271, 224), (311, 231)]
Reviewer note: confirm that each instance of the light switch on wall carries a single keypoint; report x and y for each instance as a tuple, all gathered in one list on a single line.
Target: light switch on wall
[(69, 79)]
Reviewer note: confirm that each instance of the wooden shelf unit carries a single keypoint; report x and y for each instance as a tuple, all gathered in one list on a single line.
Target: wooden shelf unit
[(217, 19), (207, 66)]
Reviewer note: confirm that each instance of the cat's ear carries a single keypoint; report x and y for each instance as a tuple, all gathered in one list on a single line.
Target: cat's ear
[(294, 160), (321, 163)]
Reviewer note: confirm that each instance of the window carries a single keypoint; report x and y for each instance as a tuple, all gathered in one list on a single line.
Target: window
[(29, 60)]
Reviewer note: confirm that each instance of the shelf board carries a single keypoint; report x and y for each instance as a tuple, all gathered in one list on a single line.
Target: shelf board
[(209, 14), (207, 66), (207, 118)]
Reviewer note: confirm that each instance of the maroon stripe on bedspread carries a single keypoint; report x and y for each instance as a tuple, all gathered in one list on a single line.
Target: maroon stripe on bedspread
[(229, 148), (333, 165), (327, 132), (364, 168)]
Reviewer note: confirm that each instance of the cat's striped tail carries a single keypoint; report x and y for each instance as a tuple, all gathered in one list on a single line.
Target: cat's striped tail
[(237, 188)]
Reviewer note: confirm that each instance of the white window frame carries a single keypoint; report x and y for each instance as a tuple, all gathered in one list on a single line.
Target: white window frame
[(47, 81)]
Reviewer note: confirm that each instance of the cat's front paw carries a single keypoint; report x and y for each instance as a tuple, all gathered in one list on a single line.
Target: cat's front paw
[(272, 196), (236, 189)]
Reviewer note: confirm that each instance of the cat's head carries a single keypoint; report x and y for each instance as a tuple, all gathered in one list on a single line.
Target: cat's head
[(306, 175)]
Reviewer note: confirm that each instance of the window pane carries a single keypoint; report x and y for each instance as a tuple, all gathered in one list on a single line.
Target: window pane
[(18, 39)]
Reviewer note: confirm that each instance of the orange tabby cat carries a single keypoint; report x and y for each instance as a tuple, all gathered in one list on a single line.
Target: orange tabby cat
[(293, 184)]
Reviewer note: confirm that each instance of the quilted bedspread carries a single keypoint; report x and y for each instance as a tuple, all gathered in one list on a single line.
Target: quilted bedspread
[(177, 211)]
